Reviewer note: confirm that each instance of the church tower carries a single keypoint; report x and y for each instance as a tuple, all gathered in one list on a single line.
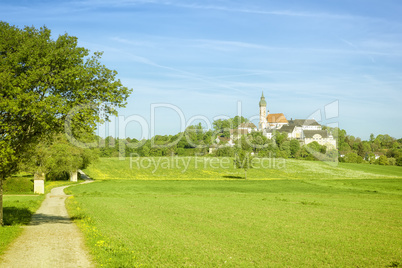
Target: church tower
[(263, 113)]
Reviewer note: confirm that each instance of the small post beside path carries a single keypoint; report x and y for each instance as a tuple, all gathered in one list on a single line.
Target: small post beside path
[(74, 176), (39, 183)]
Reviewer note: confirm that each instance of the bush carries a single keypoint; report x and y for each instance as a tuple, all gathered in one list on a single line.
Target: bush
[(23, 184), (353, 158), (391, 161), (383, 160), (225, 151), (180, 151), (399, 161)]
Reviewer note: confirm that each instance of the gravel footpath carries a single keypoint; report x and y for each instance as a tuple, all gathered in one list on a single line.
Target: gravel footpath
[(50, 240)]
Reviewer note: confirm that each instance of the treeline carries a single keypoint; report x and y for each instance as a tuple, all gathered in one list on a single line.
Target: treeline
[(209, 143), (197, 141), (380, 149), (193, 141)]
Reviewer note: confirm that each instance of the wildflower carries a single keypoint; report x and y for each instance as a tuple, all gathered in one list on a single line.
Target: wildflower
[(100, 243)]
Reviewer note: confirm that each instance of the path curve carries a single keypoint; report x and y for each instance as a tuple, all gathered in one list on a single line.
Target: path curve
[(50, 240)]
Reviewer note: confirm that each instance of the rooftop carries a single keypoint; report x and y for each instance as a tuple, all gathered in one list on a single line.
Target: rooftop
[(277, 118), (303, 122), (310, 133)]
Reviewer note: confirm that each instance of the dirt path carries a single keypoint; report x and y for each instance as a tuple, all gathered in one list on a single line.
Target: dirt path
[(51, 239)]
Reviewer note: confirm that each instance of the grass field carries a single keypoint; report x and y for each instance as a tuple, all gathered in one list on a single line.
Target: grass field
[(213, 168), (307, 214)]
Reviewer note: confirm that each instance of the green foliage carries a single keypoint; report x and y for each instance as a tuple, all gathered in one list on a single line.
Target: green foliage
[(196, 141), (391, 161), (224, 151), (372, 137), (344, 147), (58, 158), (294, 147), (195, 136), (18, 184), (395, 153), (258, 141), (54, 77), (245, 143), (383, 160), (316, 147), (285, 148), (360, 150), (349, 146), (231, 123), (280, 138), (353, 158), (46, 86)]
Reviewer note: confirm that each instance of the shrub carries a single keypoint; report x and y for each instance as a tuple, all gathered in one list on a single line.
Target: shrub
[(391, 161), (383, 160), (18, 185), (225, 151), (353, 158), (399, 161), (180, 151)]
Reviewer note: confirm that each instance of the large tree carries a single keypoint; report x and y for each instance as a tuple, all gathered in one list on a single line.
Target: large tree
[(46, 86)]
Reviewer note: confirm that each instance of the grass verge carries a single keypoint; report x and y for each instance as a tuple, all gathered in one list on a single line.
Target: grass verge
[(107, 252), (18, 211), (19, 204)]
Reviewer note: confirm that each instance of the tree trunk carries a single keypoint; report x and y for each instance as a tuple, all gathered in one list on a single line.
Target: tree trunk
[(1, 201)]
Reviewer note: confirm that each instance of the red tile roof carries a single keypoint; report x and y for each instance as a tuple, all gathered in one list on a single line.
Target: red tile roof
[(277, 118)]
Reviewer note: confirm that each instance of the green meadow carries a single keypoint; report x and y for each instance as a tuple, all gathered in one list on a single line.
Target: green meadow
[(303, 214), (215, 168)]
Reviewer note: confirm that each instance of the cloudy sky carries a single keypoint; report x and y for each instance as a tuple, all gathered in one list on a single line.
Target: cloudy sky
[(339, 61)]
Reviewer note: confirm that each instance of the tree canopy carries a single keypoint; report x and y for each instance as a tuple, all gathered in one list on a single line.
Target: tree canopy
[(223, 125), (47, 85)]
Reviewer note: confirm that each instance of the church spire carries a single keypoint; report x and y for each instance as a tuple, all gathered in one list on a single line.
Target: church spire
[(262, 100), (263, 113)]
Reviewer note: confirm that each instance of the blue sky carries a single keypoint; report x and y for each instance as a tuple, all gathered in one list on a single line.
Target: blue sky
[(204, 59)]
